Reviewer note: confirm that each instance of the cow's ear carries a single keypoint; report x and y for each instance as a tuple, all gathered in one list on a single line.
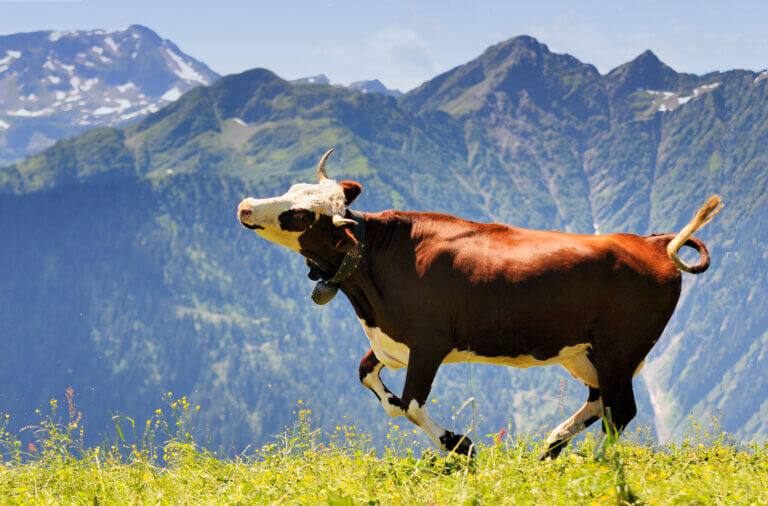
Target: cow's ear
[(343, 239), (351, 191)]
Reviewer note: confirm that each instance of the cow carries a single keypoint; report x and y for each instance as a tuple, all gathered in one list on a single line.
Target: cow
[(431, 289)]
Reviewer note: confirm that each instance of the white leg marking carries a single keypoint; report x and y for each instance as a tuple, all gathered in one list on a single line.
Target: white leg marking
[(372, 380), (575, 424), (418, 415)]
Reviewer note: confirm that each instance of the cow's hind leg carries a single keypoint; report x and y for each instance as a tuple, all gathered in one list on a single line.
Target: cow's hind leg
[(370, 377), (588, 414), (618, 399)]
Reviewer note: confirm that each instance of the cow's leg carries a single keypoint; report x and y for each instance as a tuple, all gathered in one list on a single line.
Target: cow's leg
[(370, 370), (618, 400), (422, 368), (588, 414)]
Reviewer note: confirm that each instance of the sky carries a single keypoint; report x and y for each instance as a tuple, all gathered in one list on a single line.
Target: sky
[(406, 43)]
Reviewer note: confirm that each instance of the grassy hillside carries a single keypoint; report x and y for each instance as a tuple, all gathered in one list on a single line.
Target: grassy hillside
[(160, 462)]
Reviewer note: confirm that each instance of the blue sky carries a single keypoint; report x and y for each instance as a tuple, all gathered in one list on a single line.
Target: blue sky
[(406, 43)]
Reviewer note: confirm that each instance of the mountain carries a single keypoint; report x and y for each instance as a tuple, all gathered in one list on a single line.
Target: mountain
[(57, 84), (126, 274), (372, 86), (318, 79)]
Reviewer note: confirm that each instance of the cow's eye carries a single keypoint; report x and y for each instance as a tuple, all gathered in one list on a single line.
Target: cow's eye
[(296, 220)]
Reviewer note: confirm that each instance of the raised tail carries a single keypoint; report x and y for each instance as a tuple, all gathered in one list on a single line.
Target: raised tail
[(683, 238)]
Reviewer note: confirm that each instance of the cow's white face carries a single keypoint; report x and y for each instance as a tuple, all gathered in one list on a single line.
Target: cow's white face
[(284, 219), (308, 218)]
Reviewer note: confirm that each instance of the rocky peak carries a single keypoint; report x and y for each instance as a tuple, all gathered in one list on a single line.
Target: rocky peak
[(646, 71)]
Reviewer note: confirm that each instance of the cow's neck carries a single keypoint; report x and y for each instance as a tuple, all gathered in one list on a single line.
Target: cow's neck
[(362, 288), (330, 261)]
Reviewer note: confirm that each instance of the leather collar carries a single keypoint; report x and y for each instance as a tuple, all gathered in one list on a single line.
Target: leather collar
[(328, 286)]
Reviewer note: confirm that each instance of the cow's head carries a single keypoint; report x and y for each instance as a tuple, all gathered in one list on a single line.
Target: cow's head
[(308, 218)]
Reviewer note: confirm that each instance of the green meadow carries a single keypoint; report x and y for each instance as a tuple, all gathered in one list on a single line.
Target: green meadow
[(159, 461)]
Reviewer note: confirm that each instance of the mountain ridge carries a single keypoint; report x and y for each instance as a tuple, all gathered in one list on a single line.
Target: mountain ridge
[(365, 86)]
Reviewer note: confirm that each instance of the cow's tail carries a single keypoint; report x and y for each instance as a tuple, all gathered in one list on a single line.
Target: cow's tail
[(683, 238)]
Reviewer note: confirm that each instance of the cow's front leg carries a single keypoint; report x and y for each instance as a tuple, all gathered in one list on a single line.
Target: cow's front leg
[(422, 368), (370, 370)]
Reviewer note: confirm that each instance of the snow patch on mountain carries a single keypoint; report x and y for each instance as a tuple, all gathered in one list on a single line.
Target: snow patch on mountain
[(171, 95), (111, 43), (122, 88), (318, 79), (54, 36), (89, 83), (670, 100), (10, 56), (24, 113), (122, 105), (185, 70)]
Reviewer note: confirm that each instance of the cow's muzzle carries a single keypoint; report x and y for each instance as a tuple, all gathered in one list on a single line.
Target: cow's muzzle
[(245, 215)]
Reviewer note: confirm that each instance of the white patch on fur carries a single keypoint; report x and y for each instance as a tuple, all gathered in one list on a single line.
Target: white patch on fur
[(418, 415), (389, 352), (372, 380), (281, 237), (326, 197), (575, 424), (573, 358), (580, 367)]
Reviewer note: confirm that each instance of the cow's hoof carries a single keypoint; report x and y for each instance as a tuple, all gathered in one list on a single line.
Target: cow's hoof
[(458, 443), (552, 450)]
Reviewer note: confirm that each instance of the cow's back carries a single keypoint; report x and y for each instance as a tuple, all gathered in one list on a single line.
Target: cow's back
[(499, 289)]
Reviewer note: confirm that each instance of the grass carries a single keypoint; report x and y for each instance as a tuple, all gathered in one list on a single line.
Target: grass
[(164, 464)]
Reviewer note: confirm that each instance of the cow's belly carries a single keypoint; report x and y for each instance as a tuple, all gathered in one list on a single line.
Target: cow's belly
[(395, 355), (389, 352), (573, 358)]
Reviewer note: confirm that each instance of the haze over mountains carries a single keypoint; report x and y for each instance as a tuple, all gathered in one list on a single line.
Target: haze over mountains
[(127, 275)]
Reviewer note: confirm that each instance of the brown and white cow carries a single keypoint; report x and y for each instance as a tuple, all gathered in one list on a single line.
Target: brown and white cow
[(431, 289)]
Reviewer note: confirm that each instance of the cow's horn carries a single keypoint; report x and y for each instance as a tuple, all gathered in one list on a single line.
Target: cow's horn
[(338, 221), (321, 166)]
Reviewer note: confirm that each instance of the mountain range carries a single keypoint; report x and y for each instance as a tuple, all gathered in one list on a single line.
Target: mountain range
[(126, 274), (57, 84), (366, 86)]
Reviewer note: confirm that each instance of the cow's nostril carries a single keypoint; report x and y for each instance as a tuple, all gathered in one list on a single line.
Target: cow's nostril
[(244, 214)]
